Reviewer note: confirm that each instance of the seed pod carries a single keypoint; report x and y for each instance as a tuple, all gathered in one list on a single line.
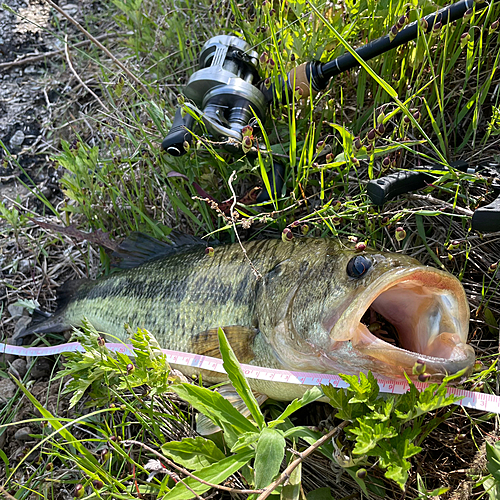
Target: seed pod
[(188, 43), (101, 342), (437, 27), (98, 484), (460, 437), (401, 22), (105, 455), (232, 18), (246, 144), (320, 146), (361, 473), (355, 161), (130, 368), (298, 93), (292, 57), (272, 12), (264, 57), (393, 32), (329, 158), (360, 247), (424, 24), (464, 40), (181, 100), (370, 148), (336, 221), (424, 377), (353, 239), (49, 467), (493, 267), (419, 367), (252, 18), (400, 234), (247, 130), (304, 229), (356, 145), (371, 135), (79, 491), (386, 163), (468, 15), (287, 235), (417, 115), (380, 130), (186, 146), (385, 221), (493, 27), (336, 205), (380, 118), (271, 63), (267, 84)]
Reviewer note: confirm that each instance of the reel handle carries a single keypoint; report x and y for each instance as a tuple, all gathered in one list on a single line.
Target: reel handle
[(179, 134)]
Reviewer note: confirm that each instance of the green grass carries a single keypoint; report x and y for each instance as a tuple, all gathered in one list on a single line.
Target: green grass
[(121, 182)]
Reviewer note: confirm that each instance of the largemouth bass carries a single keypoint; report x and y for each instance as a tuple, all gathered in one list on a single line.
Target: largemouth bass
[(318, 306)]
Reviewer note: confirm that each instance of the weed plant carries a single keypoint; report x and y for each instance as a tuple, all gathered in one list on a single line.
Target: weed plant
[(433, 101)]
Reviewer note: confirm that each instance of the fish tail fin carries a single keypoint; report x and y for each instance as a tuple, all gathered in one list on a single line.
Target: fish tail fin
[(55, 323)]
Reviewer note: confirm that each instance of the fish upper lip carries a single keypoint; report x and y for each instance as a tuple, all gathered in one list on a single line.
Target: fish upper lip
[(441, 338)]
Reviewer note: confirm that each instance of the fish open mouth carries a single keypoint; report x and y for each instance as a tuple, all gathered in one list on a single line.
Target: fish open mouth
[(412, 316)]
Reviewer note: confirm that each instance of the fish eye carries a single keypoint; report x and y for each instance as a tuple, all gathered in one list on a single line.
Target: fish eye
[(358, 266)]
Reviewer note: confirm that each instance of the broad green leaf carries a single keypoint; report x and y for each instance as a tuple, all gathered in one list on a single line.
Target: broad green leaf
[(365, 388), (320, 494), (311, 395), (238, 379), (269, 455), (217, 409), (493, 456), (215, 474), (193, 453), (246, 439), (490, 320), (492, 487), (368, 435)]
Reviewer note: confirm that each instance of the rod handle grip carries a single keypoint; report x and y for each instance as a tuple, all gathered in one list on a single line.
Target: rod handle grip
[(179, 134)]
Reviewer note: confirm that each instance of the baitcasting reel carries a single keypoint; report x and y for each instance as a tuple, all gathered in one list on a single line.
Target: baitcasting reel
[(223, 90)]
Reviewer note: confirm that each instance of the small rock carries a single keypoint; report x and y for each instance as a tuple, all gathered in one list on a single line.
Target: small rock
[(18, 368), (42, 368), (15, 311), (30, 70), (17, 139), (25, 266), (23, 434), (7, 388), (21, 324)]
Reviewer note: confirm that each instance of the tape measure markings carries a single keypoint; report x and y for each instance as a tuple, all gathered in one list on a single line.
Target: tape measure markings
[(476, 400)]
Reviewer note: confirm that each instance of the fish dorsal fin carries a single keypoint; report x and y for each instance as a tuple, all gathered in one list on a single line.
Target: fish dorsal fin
[(139, 248), (205, 426), (240, 339)]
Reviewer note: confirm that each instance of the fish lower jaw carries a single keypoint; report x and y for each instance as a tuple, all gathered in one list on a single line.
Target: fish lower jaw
[(444, 355)]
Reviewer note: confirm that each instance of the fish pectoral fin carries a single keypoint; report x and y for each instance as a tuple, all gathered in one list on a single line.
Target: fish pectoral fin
[(205, 426), (240, 339)]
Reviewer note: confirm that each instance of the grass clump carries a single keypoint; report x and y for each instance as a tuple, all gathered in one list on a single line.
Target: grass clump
[(428, 103)]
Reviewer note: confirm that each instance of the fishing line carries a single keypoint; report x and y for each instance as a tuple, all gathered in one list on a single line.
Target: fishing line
[(469, 399)]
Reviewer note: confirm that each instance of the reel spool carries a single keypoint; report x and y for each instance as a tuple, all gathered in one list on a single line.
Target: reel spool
[(223, 90)]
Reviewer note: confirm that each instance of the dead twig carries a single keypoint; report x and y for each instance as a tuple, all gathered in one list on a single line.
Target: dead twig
[(186, 472), (231, 213), (31, 59), (77, 76), (287, 472), (6, 494), (435, 201), (100, 45)]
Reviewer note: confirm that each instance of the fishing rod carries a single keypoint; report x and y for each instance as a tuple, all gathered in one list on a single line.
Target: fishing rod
[(227, 90), (316, 75)]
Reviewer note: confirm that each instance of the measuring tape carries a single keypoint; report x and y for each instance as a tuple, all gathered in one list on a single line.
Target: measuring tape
[(476, 400)]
